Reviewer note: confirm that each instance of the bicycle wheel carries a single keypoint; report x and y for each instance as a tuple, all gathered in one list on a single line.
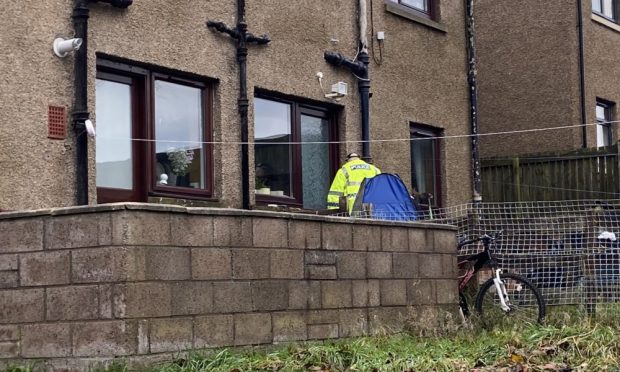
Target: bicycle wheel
[(526, 305)]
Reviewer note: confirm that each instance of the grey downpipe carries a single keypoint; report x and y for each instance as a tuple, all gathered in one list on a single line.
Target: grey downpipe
[(582, 75), (473, 100)]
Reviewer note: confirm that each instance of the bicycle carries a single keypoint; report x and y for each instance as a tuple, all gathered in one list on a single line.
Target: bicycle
[(505, 297)]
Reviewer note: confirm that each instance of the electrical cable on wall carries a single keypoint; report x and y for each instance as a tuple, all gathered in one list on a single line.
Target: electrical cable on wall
[(456, 136), (379, 60)]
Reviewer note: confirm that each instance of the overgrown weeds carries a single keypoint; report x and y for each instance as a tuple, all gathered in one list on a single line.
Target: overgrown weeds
[(576, 346), (568, 342)]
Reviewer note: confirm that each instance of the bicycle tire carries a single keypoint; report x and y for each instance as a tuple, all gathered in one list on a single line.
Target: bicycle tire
[(526, 302)]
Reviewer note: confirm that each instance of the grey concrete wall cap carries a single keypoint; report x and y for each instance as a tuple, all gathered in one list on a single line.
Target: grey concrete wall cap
[(231, 212)]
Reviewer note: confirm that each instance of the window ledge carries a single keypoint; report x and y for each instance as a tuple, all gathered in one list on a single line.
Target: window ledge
[(606, 22), (411, 15)]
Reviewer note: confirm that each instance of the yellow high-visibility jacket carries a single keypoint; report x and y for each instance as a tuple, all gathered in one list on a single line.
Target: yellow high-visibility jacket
[(348, 181)]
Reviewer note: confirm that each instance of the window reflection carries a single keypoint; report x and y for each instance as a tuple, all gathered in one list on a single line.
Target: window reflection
[(272, 124), (113, 154), (179, 151)]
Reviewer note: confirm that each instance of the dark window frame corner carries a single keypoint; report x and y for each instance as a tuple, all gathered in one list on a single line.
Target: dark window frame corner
[(420, 130), (431, 19), (299, 107), (143, 78)]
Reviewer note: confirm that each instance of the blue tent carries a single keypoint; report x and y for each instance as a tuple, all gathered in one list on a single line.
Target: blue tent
[(384, 197)]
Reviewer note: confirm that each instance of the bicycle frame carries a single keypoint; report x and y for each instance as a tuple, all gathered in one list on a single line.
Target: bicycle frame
[(481, 260)]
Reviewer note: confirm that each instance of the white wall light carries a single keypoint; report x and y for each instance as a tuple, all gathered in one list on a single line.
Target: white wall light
[(339, 90), (62, 47)]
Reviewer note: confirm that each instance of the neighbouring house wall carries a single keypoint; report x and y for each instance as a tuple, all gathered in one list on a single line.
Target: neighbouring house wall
[(528, 75), (143, 281), (423, 79), (602, 38)]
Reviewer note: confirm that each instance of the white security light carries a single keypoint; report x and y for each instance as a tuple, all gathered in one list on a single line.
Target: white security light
[(62, 47), (90, 128)]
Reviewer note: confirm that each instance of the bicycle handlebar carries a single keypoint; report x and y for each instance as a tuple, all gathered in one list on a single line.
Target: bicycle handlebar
[(486, 237)]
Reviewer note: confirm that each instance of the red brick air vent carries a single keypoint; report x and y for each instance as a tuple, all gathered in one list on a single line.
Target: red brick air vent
[(57, 122)]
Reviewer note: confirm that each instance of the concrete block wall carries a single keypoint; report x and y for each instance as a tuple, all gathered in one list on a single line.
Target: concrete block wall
[(85, 284)]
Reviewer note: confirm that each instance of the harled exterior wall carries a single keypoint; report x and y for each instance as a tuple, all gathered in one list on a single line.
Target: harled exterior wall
[(143, 282), (602, 54), (529, 74), (422, 79)]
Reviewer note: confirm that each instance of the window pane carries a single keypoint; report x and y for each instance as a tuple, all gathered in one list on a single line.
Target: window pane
[(603, 135), (113, 135), (423, 165), (596, 6), (418, 4), (179, 154), (600, 113), (608, 8), (315, 162), (272, 124)]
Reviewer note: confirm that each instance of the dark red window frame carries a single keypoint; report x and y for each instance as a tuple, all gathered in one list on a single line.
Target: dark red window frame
[(430, 13), (608, 108), (425, 131), (299, 108), (142, 79)]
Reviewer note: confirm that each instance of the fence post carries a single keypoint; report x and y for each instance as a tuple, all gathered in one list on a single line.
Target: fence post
[(594, 218), (516, 177), (617, 180)]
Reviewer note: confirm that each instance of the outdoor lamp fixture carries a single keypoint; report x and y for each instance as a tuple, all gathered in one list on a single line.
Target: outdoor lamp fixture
[(62, 47)]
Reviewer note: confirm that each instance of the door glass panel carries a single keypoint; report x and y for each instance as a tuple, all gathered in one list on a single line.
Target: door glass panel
[(315, 162), (113, 155), (273, 161), (179, 152)]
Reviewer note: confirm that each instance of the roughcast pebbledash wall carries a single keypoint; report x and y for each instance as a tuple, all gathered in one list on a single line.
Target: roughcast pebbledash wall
[(143, 282)]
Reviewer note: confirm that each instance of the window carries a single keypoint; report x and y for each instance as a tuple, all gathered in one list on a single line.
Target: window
[(293, 174), (423, 8), (604, 117), (421, 5), (425, 164), (606, 8), (172, 113)]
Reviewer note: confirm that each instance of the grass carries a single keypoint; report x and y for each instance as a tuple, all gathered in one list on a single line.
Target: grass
[(568, 342)]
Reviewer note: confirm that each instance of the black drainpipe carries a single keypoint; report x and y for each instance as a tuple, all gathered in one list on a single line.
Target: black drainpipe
[(80, 101), (242, 36), (582, 75), (358, 67), (473, 100), (80, 104)]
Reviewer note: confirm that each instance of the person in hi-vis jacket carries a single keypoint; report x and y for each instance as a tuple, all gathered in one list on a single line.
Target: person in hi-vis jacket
[(348, 181)]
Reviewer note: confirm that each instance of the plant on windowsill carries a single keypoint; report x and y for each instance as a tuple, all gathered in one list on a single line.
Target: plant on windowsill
[(260, 187), (180, 160)]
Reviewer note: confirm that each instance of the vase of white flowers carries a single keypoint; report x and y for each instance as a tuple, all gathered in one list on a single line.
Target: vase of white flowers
[(180, 160)]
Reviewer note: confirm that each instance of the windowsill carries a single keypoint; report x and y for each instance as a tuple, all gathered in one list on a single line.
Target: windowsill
[(606, 22), (410, 14)]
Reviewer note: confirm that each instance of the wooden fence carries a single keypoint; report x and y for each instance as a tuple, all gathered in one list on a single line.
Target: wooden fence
[(581, 174)]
